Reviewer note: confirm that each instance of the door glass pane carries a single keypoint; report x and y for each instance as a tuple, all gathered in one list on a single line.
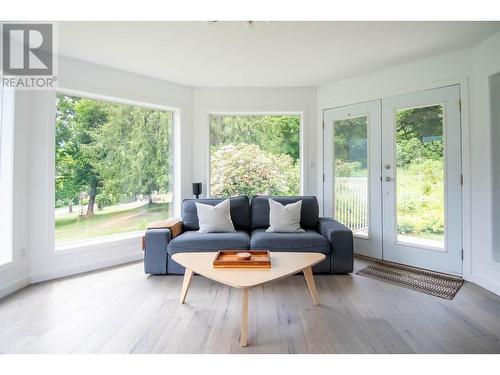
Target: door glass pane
[(351, 173), (420, 176)]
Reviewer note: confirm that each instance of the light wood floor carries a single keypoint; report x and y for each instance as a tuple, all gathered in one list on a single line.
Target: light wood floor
[(120, 310)]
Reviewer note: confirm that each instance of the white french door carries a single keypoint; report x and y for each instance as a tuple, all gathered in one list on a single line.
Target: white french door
[(421, 179), (393, 175), (352, 172)]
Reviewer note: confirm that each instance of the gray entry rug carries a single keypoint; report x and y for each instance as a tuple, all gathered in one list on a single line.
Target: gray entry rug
[(429, 282)]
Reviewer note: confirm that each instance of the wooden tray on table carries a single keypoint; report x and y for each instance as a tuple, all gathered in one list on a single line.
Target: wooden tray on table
[(230, 259)]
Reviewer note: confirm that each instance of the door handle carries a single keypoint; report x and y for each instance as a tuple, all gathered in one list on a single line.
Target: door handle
[(387, 178)]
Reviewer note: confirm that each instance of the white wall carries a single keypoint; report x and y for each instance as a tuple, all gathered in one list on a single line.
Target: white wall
[(16, 274), (471, 69), (254, 100), (485, 62)]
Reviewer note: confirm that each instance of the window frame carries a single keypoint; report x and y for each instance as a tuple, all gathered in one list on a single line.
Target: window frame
[(92, 244), (257, 113), (7, 115)]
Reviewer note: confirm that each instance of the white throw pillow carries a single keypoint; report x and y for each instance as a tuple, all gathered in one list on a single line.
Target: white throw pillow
[(284, 218), (215, 218)]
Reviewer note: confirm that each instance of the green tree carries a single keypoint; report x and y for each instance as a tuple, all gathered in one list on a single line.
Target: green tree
[(67, 189), (111, 141), (90, 116), (136, 147), (419, 133), (351, 146), (151, 169), (276, 134), (420, 122)]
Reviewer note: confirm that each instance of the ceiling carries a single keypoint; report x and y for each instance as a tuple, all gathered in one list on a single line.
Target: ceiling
[(263, 54)]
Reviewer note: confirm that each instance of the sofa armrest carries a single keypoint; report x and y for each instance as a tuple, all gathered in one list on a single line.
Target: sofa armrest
[(341, 244), (174, 224), (155, 242)]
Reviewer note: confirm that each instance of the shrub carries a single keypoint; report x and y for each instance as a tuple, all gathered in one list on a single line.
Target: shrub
[(434, 225), (421, 198), (344, 169), (102, 200), (406, 228), (245, 169), (413, 151)]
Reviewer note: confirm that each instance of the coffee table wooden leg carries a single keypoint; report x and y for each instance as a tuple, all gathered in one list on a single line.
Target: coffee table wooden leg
[(188, 274), (244, 317), (308, 274)]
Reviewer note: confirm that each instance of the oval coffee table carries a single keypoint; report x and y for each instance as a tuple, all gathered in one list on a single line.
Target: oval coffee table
[(282, 265)]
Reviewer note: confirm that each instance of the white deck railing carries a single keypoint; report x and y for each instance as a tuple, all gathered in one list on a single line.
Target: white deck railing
[(351, 202)]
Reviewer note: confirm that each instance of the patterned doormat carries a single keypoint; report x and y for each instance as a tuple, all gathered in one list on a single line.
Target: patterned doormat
[(429, 282)]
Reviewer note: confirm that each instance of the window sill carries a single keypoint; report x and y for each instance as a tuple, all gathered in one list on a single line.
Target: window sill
[(98, 243), (6, 265)]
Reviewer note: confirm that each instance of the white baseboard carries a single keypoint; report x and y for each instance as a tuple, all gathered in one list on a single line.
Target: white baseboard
[(14, 286), (492, 286), (92, 266)]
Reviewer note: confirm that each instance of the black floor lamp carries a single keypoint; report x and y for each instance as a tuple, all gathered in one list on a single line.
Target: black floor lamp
[(197, 189)]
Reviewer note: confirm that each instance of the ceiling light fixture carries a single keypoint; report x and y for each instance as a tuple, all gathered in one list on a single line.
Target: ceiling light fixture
[(248, 24)]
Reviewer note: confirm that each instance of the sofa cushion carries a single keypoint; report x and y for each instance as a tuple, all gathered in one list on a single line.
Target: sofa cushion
[(214, 219), (240, 212), (309, 241), (284, 218), (192, 241), (309, 213)]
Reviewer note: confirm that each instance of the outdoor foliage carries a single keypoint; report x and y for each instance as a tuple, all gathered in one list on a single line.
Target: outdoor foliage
[(351, 147), (420, 171), (245, 169), (419, 161), (277, 134), (108, 153), (254, 155), (111, 151), (421, 199)]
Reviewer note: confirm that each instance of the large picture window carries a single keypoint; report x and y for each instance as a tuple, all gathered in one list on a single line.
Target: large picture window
[(254, 154), (114, 168)]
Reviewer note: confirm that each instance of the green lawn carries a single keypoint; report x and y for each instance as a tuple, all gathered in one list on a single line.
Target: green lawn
[(109, 221)]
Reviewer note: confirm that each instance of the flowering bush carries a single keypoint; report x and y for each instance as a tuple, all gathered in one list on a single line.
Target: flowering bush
[(245, 169)]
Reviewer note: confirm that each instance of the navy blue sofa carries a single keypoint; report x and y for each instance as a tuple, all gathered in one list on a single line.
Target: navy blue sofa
[(251, 219)]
